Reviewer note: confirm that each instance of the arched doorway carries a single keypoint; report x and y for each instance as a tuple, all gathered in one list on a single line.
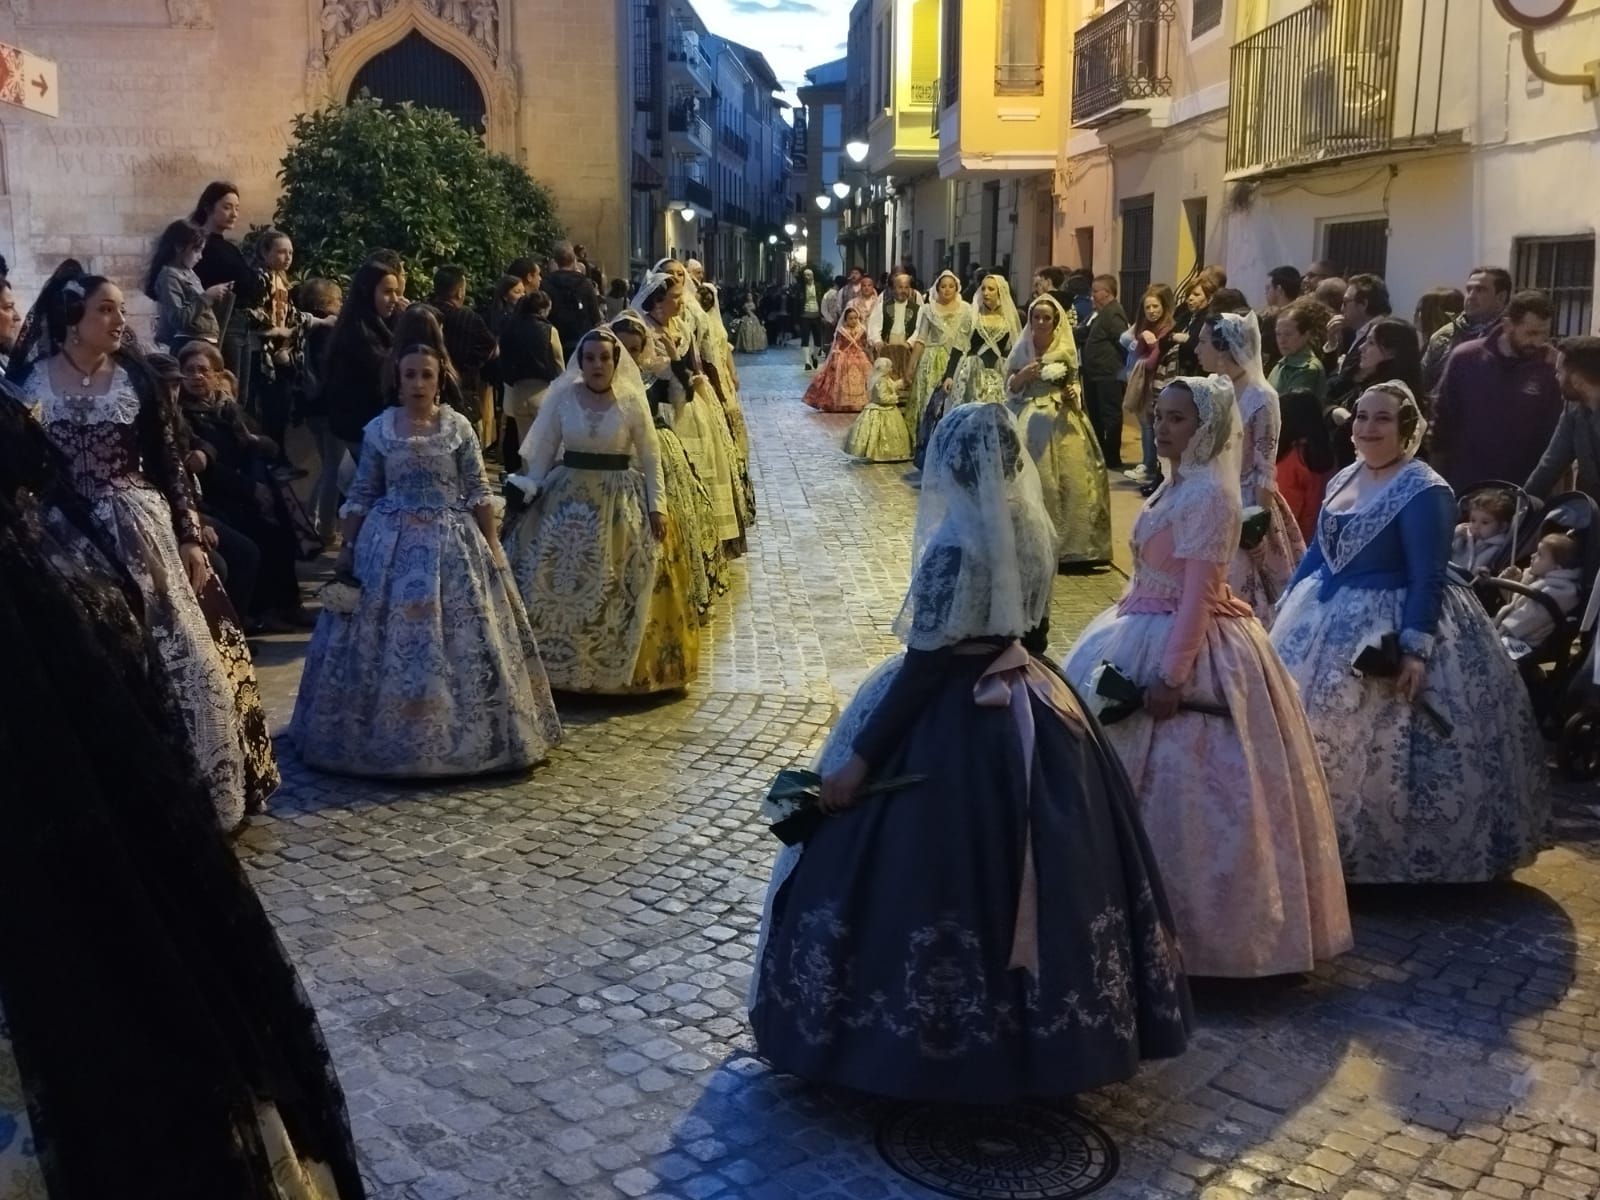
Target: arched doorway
[(417, 70)]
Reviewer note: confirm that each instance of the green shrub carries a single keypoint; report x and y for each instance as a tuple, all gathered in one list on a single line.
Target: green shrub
[(365, 175)]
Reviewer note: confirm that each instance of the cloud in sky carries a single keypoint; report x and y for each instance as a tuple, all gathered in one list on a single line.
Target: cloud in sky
[(795, 35)]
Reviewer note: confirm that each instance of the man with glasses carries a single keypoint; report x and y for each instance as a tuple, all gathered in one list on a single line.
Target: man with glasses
[(1366, 297)]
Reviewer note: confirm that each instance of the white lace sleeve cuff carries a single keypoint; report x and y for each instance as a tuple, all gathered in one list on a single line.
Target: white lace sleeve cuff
[(1416, 643)]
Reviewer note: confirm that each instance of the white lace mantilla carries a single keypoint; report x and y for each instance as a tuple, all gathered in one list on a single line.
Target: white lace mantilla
[(1340, 547)]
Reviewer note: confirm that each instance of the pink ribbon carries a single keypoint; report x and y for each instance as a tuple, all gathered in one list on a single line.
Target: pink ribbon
[(1010, 681)]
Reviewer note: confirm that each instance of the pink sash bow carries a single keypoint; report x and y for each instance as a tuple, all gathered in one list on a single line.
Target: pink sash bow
[(1011, 681)]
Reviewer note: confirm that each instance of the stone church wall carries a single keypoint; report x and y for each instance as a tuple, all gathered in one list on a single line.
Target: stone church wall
[(158, 97)]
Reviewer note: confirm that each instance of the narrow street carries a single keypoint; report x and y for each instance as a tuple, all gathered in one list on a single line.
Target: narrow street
[(534, 988)]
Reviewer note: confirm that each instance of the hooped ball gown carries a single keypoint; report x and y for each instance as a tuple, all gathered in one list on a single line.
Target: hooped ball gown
[(1059, 436), (843, 383), (123, 459), (1413, 803), (436, 672), (996, 928), (879, 434), (1236, 806), (588, 567)]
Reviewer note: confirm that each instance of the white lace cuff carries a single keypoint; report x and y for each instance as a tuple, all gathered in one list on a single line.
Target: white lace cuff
[(1416, 643)]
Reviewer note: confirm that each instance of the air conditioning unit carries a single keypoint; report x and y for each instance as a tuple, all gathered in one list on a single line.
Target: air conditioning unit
[(1345, 104)]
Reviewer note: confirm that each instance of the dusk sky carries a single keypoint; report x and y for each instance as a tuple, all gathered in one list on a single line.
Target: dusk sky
[(793, 34)]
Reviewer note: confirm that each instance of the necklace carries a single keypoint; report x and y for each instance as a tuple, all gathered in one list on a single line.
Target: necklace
[(88, 376), (1385, 466)]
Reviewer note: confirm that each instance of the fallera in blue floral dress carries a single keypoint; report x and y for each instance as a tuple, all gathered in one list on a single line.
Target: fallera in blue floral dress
[(437, 672), (1412, 805)]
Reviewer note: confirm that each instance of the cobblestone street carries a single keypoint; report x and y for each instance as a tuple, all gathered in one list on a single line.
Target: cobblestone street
[(534, 988)]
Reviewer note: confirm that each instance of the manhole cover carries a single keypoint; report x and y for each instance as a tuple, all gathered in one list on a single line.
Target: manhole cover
[(1021, 1153)]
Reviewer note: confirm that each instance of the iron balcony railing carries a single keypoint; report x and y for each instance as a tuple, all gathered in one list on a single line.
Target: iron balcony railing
[(736, 214), (934, 88), (685, 48), (1327, 84), (1122, 56), (925, 94), (736, 142), (683, 119), (687, 188)]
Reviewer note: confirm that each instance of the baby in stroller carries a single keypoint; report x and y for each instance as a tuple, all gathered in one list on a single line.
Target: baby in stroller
[(1482, 541), (1556, 571)]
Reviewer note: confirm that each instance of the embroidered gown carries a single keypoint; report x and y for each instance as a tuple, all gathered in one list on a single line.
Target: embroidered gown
[(841, 385), (1067, 452), (749, 334), (108, 442), (696, 416), (1259, 576), (980, 374), (688, 503), (1412, 805), (1236, 807), (886, 947), (436, 673), (610, 606), (939, 334), (879, 434), (717, 355)]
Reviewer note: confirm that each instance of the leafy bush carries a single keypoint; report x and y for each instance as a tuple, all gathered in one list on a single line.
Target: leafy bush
[(365, 175)]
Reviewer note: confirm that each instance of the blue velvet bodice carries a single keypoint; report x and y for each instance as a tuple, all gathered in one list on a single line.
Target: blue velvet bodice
[(1398, 539)]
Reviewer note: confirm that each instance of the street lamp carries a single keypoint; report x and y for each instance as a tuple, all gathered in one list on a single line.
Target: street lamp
[(841, 189), (772, 239), (823, 201), (688, 213), (790, 228), (857, 151)]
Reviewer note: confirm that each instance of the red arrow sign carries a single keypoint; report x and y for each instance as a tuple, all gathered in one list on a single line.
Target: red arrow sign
[(44, 88)]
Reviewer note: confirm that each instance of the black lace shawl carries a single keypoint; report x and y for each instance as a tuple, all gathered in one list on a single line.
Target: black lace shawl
[(151, 1006)]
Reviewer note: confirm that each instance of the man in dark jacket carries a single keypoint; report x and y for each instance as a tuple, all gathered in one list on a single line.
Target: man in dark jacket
[(1487, 293), (1577, 435), (1499, 401), (574, 303), (471, 347), (1102, 367)]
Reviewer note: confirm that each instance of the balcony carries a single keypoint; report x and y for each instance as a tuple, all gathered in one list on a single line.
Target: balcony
[(1120, 63), (686, 60), (736, 142), (925, 94), (735, 214), (1340, 80), (934, 88), (686, 189), (689, 129)]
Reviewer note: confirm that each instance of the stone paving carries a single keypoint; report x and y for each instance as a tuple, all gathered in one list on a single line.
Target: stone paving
[(533, 987)]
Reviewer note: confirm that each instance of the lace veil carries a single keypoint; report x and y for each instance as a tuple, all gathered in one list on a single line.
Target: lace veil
[(1063, 347), (1240, 337), (1408, 401), (653, 279), (1008, 307), (627, 388), (1213, 452), (933, 293), (984, 556)]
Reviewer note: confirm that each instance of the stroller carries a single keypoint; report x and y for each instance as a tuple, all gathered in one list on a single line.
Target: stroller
[(1524, 536), (1559, 673)]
